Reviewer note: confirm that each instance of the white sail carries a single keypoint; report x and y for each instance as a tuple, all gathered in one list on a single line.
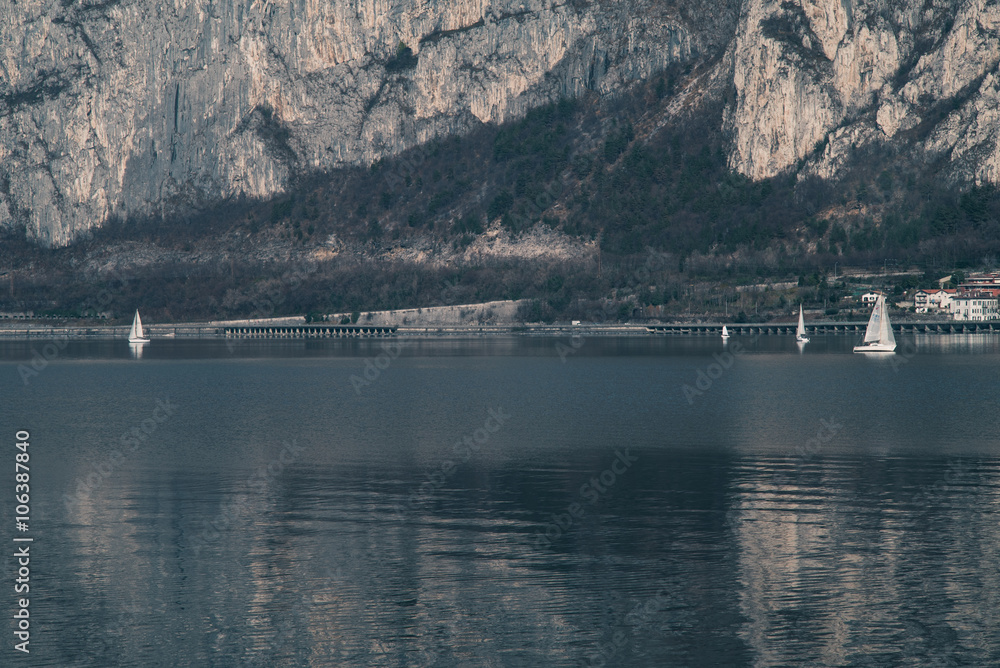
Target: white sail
[(878, 337), (800, 331), (874, 332), (135, 334), (725, 332), (885, 334)]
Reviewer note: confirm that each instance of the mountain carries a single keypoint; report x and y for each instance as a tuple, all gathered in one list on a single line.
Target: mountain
[(222, 159), (815, 81), (119, 108), (132, 108)]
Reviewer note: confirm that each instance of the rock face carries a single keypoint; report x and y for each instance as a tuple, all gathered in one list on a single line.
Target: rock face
[(817, 79), (135, 107)]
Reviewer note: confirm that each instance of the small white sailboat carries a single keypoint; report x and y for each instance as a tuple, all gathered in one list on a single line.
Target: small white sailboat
[(800, 332), (135, 334), (878, 336), (725, 333)]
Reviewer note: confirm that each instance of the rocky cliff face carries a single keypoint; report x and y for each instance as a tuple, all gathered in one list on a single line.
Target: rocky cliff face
[(134, 107), (121, 107), (816, 80)]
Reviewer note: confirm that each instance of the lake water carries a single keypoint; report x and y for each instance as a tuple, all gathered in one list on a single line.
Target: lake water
[(508, 502)]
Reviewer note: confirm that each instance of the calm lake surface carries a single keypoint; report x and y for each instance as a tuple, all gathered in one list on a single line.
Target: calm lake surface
[(508, 502)]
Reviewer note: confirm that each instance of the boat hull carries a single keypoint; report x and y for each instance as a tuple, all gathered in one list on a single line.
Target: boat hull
[(876, 348), (802, 339)]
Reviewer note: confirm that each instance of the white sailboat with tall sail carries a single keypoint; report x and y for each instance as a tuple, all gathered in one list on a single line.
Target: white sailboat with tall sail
[(725, 333), (800, 331), (878, 336), (136, 334)]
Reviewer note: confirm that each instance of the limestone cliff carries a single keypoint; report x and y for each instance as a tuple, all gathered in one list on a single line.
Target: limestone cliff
[(817, 79), (125, 107), (134, 107)]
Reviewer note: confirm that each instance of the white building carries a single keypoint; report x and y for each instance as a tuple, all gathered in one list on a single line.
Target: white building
[(922, 300), (925, 301), (870, 297), (974, 308)]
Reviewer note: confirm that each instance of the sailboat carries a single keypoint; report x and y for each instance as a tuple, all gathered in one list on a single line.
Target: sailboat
[(800, 332), (878, 336), (135, 334), (725, 332)]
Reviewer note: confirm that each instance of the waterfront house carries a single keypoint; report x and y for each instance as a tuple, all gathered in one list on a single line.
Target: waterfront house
[(975, 307), (922, 300), (925, 301)]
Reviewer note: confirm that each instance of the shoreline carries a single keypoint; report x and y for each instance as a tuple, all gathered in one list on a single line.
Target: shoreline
[(231, 331)]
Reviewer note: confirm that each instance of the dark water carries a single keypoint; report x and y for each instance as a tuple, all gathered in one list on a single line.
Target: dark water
[(509, 502)]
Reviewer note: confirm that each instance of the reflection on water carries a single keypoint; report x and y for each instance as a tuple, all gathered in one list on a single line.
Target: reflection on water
[(253, 506), (841, 566), (582, 346)]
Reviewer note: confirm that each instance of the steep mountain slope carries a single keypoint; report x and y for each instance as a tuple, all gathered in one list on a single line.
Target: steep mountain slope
[(817, 80), (606, 205), (882, 115), (118, 108)]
